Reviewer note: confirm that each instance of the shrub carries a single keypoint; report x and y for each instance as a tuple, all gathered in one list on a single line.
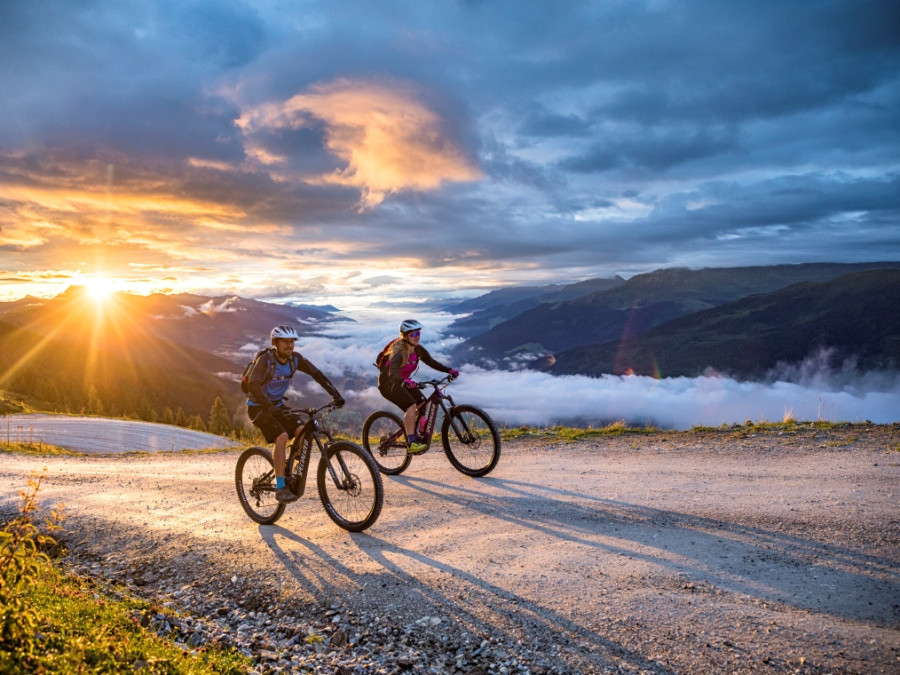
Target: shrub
[(22, 560)]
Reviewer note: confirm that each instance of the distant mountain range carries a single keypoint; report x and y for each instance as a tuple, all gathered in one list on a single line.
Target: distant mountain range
[(852, 318), (134, 352), (491, 309), (222, 324), (138, 354), (547, 335)]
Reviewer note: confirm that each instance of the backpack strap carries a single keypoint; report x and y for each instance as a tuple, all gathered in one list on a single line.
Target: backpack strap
[(294, 362)]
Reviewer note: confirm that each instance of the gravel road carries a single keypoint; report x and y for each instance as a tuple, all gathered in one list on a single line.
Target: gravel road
[(671, 552)]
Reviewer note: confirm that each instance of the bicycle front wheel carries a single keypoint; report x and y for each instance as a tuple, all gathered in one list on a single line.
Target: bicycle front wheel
[(254, 478), (384, 438), (350, 486), (471, 440)]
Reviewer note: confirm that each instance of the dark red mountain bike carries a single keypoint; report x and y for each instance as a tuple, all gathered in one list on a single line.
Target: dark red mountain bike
[(470, 438)]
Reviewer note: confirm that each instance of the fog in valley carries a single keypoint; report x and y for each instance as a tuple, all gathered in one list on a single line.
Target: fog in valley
[(813, 390)]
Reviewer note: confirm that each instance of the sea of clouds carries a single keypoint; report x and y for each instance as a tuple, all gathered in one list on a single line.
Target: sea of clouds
[(813, 390)]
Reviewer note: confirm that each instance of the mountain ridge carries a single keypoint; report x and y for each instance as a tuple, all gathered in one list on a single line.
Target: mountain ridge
[(853, 317), (635, 306)]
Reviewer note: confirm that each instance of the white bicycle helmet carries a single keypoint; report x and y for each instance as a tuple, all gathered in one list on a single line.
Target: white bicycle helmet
[(409, 325), (284, 332)]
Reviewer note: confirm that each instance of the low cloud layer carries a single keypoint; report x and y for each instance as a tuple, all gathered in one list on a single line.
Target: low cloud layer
[(808, 392)]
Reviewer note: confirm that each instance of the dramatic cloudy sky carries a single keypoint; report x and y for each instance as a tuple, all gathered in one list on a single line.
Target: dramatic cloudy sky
[(361, 150)]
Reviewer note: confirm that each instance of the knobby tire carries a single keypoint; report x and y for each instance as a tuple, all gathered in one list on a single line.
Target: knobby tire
[(477, 454), (254, 478), (392, 458), (356, 503)]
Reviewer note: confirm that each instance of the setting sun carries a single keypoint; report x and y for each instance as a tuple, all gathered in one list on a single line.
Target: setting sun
[(99, 288)]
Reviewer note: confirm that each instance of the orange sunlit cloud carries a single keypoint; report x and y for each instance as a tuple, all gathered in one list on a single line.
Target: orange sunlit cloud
[(389, 140), (77, 201), (65, 220), (84, 222)]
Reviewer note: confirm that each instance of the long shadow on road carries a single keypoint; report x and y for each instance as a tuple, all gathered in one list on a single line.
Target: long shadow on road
[(744, 559), (760, 563), (483, 609)]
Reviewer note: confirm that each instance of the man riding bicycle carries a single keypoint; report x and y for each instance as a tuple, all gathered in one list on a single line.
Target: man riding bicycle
[(268, 383), (394, 375)]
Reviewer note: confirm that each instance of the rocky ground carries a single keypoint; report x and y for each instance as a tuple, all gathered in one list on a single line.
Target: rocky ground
[(738, 550)]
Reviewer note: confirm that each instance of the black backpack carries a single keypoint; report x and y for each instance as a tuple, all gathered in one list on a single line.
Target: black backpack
[(384, 356), (245, 377)]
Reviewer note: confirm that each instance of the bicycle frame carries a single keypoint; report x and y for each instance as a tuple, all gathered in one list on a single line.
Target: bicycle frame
[(301, 451), (437, 400)]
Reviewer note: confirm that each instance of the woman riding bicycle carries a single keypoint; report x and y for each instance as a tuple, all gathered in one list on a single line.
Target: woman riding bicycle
[(394, 381)]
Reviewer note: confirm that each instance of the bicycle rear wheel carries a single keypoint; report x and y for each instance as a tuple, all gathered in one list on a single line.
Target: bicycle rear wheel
[(384, 438), (254, 478), (471, 441), (353, 496)]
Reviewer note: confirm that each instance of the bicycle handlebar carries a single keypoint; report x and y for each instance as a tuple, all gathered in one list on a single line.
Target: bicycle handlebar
[(435, 383), (312, 412)]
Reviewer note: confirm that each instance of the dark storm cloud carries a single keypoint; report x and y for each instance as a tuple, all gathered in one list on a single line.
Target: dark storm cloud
[(594, 136), (131, 77), (654, 151)]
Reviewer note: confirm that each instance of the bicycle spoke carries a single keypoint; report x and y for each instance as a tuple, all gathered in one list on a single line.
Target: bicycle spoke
[(384, 438), (255, 484), (350, 486), (471, 441)]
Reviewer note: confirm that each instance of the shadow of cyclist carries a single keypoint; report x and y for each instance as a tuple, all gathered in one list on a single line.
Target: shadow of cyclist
[(693, 548)]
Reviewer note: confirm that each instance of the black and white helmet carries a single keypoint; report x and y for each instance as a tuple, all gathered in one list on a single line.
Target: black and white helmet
[(409, 325), (284, 332)]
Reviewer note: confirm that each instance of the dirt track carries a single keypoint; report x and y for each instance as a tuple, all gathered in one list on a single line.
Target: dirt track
[(669, 552)]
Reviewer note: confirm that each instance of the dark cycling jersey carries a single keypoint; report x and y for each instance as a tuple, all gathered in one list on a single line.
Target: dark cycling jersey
[(270, 393)]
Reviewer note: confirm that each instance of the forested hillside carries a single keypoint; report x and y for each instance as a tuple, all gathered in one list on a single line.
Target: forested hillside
[(853, 317), (636, 306), (136, 376)]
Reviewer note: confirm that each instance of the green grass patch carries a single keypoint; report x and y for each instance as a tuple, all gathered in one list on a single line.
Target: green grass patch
[(11, 404), (41, 449), (55, 623), (572, 434), (787, 425), (82, 628)]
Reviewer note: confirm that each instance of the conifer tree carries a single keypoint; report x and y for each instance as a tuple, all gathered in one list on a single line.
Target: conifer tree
[(219, 422), (94, 404)]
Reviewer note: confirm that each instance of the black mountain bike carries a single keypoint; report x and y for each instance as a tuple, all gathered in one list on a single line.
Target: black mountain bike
[(470, 439), (349, 484)]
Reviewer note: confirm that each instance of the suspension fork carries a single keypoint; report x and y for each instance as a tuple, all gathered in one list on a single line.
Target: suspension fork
[(447, 404), (339, 482)]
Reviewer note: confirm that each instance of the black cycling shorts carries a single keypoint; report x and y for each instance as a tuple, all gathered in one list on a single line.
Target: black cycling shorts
[(273, 423), (401, 395)]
